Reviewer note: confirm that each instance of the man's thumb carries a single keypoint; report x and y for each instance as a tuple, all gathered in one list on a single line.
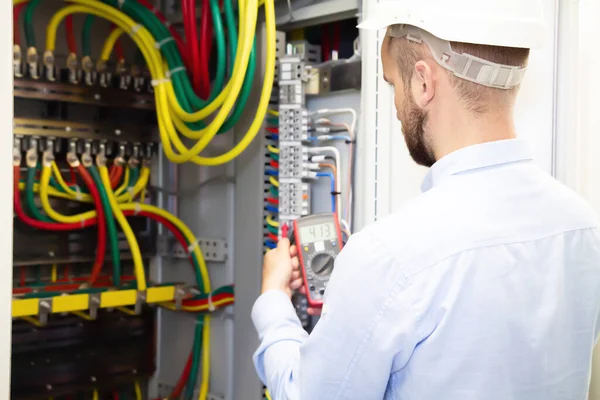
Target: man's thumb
[(284, 244)]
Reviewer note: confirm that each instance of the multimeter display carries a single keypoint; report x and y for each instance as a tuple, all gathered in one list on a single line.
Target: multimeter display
[(317, 233), (319, 241)]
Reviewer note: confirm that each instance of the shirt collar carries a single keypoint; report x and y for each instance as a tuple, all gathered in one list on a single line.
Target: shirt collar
[(475, 157)]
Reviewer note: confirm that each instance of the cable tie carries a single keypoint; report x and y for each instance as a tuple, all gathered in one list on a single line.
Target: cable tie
[(138, 209), (82, 222), (156, 82), (174, 71), (121, 3), (211, 306), (78, 194), (135, 29), (161, 43), (192, 246)]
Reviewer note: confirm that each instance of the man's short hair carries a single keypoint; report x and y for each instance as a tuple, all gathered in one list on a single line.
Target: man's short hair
[(477, 98)]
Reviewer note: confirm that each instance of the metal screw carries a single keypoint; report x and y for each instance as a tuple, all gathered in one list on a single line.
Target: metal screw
[(48, 387), (93, 379), (96, 96), (51, 253), (117, 132)]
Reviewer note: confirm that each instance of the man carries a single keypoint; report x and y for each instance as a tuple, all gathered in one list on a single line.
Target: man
[(487, 286)]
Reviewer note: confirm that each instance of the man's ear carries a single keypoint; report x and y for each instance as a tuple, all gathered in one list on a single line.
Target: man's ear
[(423, 84)]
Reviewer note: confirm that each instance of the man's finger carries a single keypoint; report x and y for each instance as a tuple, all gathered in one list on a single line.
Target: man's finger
[(284, 244), (295, 263), (293, 251), (302, 290), (295, 275), (296, 284)]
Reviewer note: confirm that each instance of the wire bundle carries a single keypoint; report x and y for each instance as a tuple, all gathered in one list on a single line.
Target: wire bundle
[(180, 109), (271, 181), (110, 203)]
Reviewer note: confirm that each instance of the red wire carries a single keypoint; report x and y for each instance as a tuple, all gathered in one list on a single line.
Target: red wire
[(73, 177), (205, 48), (274, 164), (118, 47), (191, 38), (71, 44), (272, 200), (178, 39), (219, 297), (272, 130), (115, 177), (66, 272), (47, 226), (16, 28), (336, 37), (185, 374), (23, 273), (273, 237), (115, 395), (101, 249), (325, 43)]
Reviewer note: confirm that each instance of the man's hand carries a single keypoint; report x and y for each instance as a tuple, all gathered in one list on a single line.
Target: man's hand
[(281, 269)]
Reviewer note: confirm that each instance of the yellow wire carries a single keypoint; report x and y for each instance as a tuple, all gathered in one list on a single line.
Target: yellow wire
[(33, 321), (47, 207), (51, 191), (123, 186), (138, 262), (268, 394), (109, 43), (202, 308), (166, 100), (273, 149), (17, 2), (95, 395), (63, 185), (272, 222), (274, 181), (82, 315), (54, 273), (274, 113), (138, 391)]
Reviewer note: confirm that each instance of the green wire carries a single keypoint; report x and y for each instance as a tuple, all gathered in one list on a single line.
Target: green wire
[(134, 174), (231, 33), (111, 225), (30, 198), (38, 274), (184, 91), (28, 21), (221, 57), (197, 351), (272, 229), (86, 35), (274, 156), (274, 191)]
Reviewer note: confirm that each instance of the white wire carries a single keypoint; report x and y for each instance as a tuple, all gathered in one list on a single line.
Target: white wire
[(351, 132), (337, 160)]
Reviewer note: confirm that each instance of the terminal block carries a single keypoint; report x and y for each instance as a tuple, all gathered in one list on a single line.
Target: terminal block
[(294, 198), (293, 125), (293, 158)]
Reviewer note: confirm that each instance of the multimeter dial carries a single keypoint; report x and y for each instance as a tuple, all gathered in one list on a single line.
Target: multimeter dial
[(319, 240), (321, 264)]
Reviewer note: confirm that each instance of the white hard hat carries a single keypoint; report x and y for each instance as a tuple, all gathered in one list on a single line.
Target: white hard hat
[(508, 23)]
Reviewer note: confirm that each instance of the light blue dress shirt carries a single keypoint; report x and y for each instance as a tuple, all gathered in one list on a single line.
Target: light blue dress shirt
[(485, 287)]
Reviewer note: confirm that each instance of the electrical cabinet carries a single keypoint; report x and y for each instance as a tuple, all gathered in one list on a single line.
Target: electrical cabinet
[(129, 246), (321, 136)]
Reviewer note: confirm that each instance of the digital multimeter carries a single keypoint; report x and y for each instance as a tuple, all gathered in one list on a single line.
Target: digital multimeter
[(319, 241)]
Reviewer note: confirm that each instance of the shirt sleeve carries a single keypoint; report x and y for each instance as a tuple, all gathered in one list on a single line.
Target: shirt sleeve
[(366, 328)]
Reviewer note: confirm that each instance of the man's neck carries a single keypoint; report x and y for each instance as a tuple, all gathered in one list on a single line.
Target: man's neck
[(459, 128)]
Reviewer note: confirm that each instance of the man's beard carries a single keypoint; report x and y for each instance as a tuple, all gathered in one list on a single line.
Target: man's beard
[(413, 121)]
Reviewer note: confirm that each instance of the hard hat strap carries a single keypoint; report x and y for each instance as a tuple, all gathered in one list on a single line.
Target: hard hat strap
[(464, 66)]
